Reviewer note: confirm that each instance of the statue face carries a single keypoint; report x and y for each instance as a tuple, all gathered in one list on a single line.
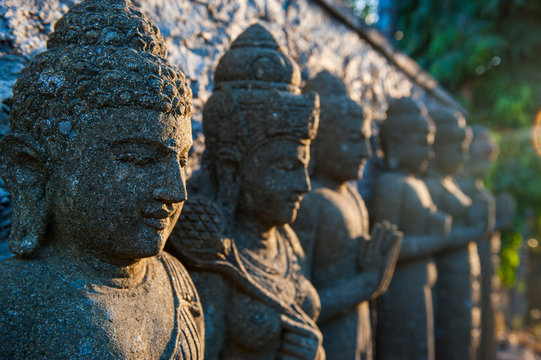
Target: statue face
[(414, 149), (120, 189), (451, 154), (483, 152), (273, 179), (343, 149)]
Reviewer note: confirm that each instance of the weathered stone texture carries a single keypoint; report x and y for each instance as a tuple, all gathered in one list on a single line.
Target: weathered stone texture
[(197, 34)]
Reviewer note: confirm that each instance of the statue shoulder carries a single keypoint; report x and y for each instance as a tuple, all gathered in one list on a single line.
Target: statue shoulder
[(292, 239), (180, 275), (39, 308), (20, 276)]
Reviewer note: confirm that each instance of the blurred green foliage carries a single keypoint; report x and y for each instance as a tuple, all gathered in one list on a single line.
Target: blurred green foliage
[(488, 54)]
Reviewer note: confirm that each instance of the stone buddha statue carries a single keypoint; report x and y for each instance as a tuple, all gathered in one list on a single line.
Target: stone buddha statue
[(100, 133), (405, 313), (347, 266), (483, 151), (234, 235), (457, 291)]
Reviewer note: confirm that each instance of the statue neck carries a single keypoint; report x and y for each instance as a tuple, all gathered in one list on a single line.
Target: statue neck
[(94, 268), (255, 235)]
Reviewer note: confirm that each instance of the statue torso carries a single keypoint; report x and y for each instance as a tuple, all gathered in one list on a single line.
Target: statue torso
[(416, 206), (251, 323), (343, 221), (77, 319), (449, 198)]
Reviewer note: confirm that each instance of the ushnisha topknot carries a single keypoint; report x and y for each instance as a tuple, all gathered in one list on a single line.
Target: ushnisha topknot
[(115, 23), (103, 55), (256, 98)]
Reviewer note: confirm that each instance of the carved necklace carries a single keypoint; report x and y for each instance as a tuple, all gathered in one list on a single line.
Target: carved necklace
[(276, 277)]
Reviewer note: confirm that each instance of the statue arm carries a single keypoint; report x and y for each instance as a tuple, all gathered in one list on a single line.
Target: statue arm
[(414, 246), (213, 292), (462, 235), (388, 205), (342, 297)]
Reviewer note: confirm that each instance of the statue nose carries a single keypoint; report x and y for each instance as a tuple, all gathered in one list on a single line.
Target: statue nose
[(172, 187), (170, 195)]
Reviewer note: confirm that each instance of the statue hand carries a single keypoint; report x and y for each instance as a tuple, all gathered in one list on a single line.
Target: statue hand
[(380, 253), (300, 341)]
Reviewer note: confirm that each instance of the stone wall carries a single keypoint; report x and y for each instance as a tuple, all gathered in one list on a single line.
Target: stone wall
[(198, 32)]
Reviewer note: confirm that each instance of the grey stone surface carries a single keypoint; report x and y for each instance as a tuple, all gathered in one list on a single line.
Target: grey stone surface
[(198, 32), (483, 151), (348, 264), (405, 312), (99, 136), (235, 238), (457, 296)]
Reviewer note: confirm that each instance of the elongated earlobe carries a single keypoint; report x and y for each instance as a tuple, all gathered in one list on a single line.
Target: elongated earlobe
[(22, 168)]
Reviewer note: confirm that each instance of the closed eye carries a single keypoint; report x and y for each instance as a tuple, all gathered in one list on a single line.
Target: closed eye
[(134, 158)]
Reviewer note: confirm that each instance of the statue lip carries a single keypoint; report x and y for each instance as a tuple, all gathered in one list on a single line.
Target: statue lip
[(157, 219), (294, 202), (157, 214)]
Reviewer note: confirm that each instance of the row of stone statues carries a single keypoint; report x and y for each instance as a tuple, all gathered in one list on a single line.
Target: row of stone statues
[(100, 134)]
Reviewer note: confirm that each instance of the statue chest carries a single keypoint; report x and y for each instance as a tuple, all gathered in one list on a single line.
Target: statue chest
[(139, 326), (343, 223), (416, 207)]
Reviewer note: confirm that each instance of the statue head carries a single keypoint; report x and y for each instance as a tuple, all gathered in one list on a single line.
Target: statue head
[(407, 136), (100, 130), (483, 152), (342, 144), (258, 128), (451, 142)]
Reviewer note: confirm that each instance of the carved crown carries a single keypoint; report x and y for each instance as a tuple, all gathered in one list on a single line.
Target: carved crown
[(257, 96), (256, 58)]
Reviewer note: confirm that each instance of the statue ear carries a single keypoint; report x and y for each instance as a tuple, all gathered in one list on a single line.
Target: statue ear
[(22, 168), (227, 176)]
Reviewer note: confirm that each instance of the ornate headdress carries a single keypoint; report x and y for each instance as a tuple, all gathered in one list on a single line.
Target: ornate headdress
[(257, 97)]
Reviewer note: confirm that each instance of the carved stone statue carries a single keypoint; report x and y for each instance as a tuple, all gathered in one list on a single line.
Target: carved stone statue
[(457, 290), (243, 256), (483, 151), (347, 266), (100, 131), (405, 326)]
